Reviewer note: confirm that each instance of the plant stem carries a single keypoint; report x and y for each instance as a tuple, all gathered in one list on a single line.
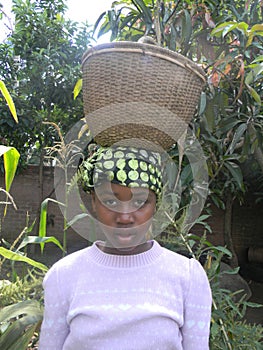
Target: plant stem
[(157, 23), (14, 244)]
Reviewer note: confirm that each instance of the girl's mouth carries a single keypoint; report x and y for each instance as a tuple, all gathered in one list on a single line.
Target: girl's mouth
[(125, 238)]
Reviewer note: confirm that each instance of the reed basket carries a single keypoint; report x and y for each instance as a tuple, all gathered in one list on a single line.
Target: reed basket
[(139, 91)]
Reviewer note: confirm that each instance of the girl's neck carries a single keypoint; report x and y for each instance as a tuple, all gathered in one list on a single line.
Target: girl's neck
[(126, 251)]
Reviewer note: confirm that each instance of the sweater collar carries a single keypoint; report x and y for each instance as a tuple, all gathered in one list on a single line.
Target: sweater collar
[(125, 261)]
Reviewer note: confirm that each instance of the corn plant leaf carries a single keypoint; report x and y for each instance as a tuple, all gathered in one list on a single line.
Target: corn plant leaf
[(27, 307), (77, 88), (43, 219), (75, 219), (26, 313), (11, 157), (37, 240), (9, 254), (9, 100), (23, 340)]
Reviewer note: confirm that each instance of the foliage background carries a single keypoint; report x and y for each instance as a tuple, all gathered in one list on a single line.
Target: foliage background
[(226, 38), (40, 64)]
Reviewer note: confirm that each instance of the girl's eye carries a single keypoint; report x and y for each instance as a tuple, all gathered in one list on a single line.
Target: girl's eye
[(138, 203), (110, 202)]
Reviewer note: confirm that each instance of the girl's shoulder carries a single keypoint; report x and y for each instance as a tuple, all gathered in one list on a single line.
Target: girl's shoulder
[(71, 261), (185, 265), (175, 257)]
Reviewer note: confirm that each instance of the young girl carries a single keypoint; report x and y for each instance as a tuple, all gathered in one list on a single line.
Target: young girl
[(125, 292)]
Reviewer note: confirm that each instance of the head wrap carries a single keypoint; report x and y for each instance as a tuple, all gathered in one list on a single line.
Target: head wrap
[(126, 166)]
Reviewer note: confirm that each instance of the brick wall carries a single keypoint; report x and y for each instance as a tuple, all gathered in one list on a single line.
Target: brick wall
[(28, 195), (247, 225)]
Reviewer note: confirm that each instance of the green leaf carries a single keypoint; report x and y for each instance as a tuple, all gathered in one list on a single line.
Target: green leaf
[(27, 307), (11, 157), (258, 59), (218, 30), (98, 21), (229, 29), (202, 218), (9, 100), (202, 104), (37, 240), (232, 271), (129, 20), (243, 26), (226, 124), (222, 250), (105, 27), (254, 73), (43, 219), (146, 14), (186, 27), (18, 334), (8, 254), (23, 340), (236, 173), (256, 305), (76, 218), (254, 94), (77, 88), (257, 28), (237, 137), (210, 116), (186, 175), (144, 10)]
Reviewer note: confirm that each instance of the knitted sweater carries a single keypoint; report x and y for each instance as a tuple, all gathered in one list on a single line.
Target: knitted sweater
[(154, 300)]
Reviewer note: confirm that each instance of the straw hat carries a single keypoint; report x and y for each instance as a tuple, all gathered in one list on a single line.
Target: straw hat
[(139, 91)]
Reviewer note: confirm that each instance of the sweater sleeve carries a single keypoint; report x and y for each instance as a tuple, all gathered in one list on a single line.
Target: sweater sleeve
[(54, 328), (197, 314)]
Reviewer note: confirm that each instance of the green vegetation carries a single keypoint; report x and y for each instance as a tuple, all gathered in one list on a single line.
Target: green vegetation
[(40, 65)]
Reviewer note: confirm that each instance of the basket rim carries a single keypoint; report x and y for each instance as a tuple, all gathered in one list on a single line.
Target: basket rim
[(145, 49)]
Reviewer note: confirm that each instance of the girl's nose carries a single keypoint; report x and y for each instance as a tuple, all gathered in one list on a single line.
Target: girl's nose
[(125, 216)]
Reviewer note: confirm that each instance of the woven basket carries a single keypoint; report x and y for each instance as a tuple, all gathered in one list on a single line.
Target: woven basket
[(139, 91)]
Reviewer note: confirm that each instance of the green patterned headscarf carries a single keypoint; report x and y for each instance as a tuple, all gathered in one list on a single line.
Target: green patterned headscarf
[(126, 166)]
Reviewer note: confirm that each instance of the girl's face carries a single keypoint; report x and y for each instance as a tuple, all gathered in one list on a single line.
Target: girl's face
[(125, 215)]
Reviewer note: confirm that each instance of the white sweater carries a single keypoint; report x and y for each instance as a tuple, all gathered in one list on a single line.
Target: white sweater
[(154, 300)]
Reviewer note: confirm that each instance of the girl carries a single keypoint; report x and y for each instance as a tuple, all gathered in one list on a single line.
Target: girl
[(125, 292)]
